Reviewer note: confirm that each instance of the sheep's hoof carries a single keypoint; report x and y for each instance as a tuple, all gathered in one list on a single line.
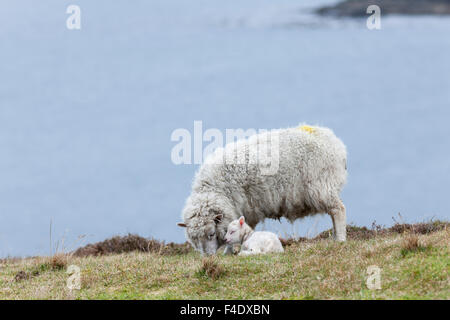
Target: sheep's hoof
[(236, 248)]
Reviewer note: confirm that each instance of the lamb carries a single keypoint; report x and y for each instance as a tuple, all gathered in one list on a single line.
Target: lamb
[(311, 170), (252, 242)]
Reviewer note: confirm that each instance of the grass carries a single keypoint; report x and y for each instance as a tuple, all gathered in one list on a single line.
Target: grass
[(210, 268), (413, 266)]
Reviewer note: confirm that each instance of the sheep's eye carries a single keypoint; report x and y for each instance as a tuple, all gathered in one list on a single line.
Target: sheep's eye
[(211, 235), (231, 232)]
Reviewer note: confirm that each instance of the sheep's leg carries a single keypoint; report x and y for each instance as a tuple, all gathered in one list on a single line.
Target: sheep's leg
[(228, 250), (338, 216)]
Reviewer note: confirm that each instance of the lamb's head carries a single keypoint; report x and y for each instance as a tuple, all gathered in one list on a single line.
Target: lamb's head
[(236, 231), (205, 225)]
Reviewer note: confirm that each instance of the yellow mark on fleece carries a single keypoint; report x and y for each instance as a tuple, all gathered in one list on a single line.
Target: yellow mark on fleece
[(307, 129)]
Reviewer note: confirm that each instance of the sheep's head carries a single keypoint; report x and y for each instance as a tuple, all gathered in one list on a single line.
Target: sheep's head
[(203, 234), (236, 231), (205, 223)]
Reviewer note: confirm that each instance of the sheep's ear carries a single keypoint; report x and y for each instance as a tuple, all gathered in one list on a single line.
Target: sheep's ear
[(218, 218), (241, 221), (181, 224)]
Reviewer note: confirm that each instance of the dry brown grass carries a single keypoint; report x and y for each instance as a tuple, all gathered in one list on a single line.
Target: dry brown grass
[(21, 275), (211, 268), (130, 243), (412, 243), (58, 261), (364, 233)]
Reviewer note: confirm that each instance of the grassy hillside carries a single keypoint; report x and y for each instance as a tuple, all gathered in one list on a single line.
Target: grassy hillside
[(413, 266)]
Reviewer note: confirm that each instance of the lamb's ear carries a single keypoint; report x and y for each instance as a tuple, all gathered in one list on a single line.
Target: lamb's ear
[(241, 220), (181, 224)]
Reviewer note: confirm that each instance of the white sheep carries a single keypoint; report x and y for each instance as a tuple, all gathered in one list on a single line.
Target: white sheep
[(311, 171), (252, 242)]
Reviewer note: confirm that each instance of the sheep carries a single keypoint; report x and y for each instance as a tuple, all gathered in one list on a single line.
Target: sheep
[(252, 242), (311, 170)]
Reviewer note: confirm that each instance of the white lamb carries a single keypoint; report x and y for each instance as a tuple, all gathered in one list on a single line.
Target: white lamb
[(252, 242), (310, 163)]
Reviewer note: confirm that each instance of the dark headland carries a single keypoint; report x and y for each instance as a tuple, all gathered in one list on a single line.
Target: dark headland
[(358, 8)]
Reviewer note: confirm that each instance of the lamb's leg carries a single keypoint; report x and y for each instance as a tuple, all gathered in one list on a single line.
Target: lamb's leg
[(245, 253), (338, 216)]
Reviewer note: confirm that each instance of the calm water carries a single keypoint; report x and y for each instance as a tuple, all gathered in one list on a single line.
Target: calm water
[(86, 116)]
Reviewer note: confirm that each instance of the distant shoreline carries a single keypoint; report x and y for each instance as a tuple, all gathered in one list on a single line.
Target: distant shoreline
[(358, 8)]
